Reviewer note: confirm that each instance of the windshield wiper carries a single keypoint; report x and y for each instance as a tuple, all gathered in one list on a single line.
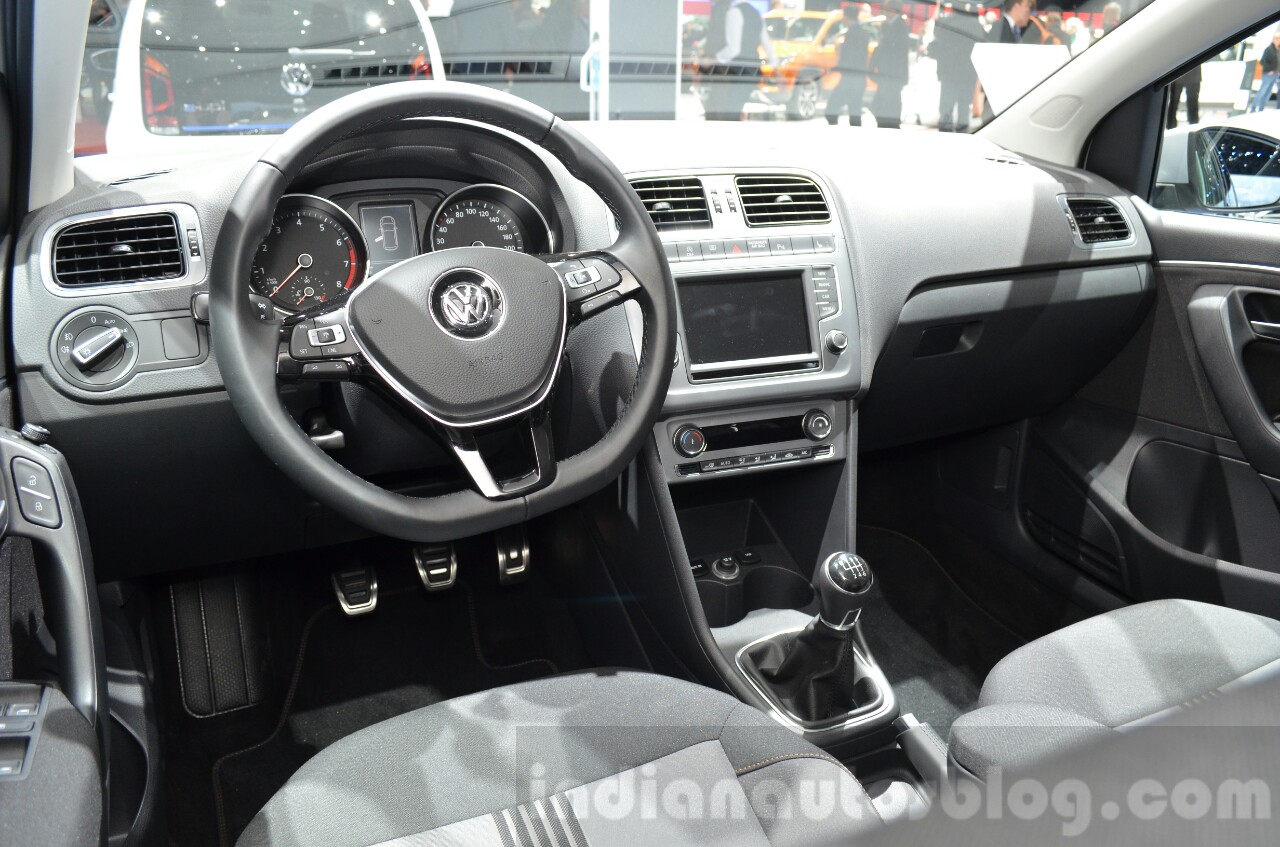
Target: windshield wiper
[(335, 52)]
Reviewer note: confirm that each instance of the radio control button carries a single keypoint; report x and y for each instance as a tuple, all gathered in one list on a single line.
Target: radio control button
[(837, 342), (826, 311)]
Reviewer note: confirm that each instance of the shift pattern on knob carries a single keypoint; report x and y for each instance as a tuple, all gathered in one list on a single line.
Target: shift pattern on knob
[(849, 573)]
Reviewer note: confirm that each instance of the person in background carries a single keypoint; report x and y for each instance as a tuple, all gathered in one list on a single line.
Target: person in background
[(1078, 38), (1111, 15), (1270, 73), (1190, 83), (1015, 15), (1051, 18), (891, 65), (955, 33), (735, 44), (851, 64)]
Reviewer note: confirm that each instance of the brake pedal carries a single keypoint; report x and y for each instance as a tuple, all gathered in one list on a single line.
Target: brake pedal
[(513, 555), (437, 566), (357, 590)]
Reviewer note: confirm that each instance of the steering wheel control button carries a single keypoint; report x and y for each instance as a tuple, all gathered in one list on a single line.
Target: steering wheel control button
[(837, 342), (328, 335), (95, 349), (726, 568), (326, 370), (36, 498), (585, 276), (689, 441), (816, 425)]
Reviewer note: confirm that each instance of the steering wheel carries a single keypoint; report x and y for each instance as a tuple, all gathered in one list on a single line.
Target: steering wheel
[(467, 338)]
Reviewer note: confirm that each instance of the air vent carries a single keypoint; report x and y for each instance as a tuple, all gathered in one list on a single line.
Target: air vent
[(674, 203), (1097, 221), (118, 250), (775, 200)]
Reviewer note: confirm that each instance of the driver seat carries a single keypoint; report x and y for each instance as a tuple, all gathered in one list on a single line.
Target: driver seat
[(592, 759)]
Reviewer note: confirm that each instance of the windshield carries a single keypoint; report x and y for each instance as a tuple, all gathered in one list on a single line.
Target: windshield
[(165, 69)]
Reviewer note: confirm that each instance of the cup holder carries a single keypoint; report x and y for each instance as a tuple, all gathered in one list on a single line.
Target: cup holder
[(758, 587)]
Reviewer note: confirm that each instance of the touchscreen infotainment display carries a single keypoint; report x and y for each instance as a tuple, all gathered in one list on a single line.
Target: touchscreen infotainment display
[(732, 319)]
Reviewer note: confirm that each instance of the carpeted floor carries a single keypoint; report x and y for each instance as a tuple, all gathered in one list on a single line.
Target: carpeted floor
[(335, 675), (933, 642)]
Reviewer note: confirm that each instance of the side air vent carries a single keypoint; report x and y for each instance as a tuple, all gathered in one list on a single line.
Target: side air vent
[(1097, 221), (118, 251), (675, 202), (114, 251), (776, 200)]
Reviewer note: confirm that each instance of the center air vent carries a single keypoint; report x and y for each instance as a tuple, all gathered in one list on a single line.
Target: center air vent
[(118, 250), (1097, 221), (674, 203), (775, 200)]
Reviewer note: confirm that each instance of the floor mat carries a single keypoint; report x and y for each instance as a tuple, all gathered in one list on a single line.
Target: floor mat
[(932, 641), (333, 675)]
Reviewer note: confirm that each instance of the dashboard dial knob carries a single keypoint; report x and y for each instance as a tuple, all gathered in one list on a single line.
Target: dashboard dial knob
[(817, 425), (689, 441)]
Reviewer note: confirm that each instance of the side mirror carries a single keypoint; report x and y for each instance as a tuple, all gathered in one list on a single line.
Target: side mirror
[(1234, 170)]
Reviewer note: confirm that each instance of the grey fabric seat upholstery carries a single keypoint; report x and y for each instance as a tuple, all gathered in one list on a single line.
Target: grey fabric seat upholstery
[(1125, 668), (592, 759)]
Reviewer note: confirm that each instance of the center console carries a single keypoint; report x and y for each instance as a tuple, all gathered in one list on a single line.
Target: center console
[(757, 445)]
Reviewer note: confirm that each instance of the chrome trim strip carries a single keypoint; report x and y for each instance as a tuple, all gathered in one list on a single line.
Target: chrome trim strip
[(793, 722), (1234, 266), (195, 271)]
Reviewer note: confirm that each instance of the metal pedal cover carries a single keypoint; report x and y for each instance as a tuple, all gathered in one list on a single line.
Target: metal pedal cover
[(357, 590), (513, 554), (437, 566)]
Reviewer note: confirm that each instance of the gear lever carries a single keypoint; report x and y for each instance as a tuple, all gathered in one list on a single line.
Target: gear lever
[(817, 674), (843, 582)]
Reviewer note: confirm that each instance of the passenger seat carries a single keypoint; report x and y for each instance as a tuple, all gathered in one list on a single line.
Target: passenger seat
[(1107, 674)]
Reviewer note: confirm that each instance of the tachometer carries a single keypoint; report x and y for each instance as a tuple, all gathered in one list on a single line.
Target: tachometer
[(490, 216), (313, 254)]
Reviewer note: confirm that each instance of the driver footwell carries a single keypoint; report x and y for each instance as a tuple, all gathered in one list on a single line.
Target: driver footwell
[(330, 675)]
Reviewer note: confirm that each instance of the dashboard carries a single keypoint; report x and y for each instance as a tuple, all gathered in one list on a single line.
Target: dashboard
[(832, 297)]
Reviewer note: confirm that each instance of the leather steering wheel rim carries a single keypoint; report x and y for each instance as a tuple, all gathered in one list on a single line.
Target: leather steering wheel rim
[(246, 347)]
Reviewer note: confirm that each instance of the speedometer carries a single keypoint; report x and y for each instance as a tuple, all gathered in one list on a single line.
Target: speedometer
[(477, 223), (489, 215), (313, 254)]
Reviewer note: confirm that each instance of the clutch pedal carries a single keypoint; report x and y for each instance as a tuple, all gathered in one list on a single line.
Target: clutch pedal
[(357, 590), (437, 566)]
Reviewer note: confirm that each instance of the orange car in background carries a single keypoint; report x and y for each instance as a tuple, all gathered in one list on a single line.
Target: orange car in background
[(806, 45)]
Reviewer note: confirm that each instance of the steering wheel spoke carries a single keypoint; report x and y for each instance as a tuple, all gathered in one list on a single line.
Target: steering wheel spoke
[(466, 448), (593, 282), (318, 345)]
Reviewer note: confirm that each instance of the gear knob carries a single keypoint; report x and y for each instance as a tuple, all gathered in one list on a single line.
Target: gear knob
[(843, 582)]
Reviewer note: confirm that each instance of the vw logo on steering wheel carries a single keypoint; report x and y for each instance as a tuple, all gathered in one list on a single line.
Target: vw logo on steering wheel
[(466, 303)]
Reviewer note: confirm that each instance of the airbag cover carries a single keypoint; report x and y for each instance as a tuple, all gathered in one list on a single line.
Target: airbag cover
[(467, 335)]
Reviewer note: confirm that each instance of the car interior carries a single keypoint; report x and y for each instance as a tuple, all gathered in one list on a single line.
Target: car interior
[(442, 472)]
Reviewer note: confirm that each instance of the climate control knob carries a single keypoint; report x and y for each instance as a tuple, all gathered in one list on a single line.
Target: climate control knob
[(689, 441), (817, 425)]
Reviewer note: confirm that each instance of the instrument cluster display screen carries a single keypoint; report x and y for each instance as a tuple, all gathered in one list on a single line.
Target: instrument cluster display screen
[(735, 319), (391, 232)]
